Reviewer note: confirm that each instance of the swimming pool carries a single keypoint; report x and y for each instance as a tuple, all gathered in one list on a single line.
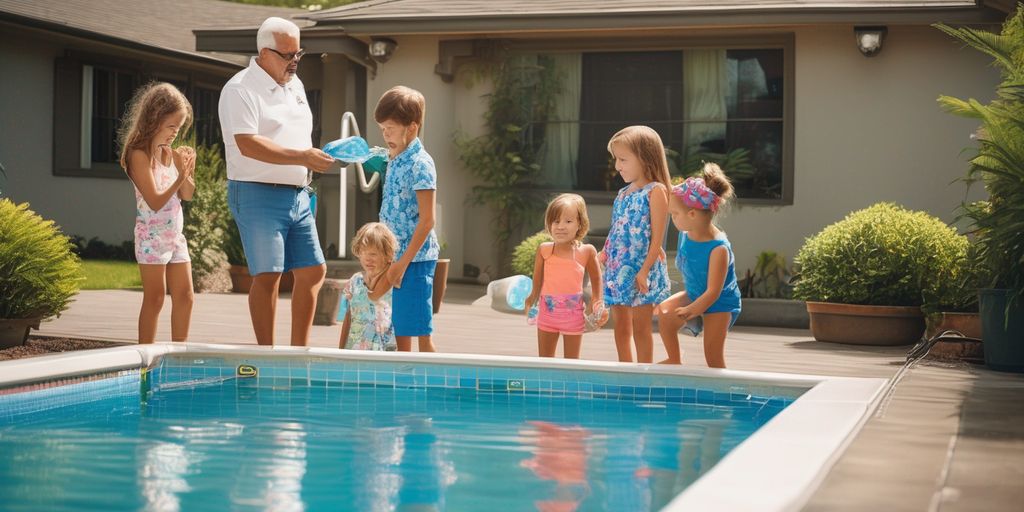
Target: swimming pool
[(173, 427)]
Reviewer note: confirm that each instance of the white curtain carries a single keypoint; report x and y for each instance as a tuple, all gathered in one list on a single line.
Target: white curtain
[(562, 136), (705, 84)]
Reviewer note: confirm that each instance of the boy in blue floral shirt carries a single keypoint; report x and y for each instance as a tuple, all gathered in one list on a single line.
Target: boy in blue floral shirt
[(410, 186)]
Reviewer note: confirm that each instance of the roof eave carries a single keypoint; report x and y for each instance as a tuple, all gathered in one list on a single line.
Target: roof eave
[(104, 38), (498, 24)]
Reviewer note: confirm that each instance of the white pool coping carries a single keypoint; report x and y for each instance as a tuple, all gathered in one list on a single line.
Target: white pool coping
[(778, 468)]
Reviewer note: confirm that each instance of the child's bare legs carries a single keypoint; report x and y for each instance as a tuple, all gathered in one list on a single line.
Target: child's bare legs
[(572, 345), (405, 343), (623, 332), (179, 283), (716, 325), (426, 344), (668, 326), (153, 292), (547, 343), (642, 333)]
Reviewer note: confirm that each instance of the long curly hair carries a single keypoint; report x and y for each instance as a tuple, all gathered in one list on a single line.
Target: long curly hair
[(151, 104)]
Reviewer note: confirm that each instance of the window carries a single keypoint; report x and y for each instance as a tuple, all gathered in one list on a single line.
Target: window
[(105, 96), (90, 99), (708, 104)]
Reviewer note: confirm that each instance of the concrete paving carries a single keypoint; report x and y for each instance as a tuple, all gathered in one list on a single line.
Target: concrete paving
[(948, 437)]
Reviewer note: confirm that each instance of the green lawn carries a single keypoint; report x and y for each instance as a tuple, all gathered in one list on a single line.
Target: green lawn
[(110, 275)]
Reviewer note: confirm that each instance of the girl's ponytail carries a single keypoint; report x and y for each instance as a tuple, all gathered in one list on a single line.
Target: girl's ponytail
[(718, 182)]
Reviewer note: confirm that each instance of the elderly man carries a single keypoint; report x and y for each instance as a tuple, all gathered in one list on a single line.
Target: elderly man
[(267, 127)]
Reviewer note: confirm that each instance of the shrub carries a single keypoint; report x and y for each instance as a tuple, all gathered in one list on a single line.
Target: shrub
[(525, 254), (998, 163), (38, 272), (770, 278), (207, 215), (884, 255)]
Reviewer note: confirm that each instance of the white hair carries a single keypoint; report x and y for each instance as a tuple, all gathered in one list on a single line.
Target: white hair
[(271, 26)]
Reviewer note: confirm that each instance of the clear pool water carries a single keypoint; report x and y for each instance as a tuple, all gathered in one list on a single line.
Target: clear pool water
[(192, 436)]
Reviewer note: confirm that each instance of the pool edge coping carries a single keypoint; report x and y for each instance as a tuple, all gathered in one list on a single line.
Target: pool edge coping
[(814, 430)]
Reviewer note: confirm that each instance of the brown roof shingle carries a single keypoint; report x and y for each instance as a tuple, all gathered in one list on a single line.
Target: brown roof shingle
[(160, 24)]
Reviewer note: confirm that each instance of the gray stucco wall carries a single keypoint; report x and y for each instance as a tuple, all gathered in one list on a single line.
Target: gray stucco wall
[(89, 207), (866, 130)]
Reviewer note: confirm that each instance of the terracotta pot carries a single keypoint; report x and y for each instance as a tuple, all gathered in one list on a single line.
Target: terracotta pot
[(241, 281), (14, 331), (440, 282), (865, 325), (968, 324)]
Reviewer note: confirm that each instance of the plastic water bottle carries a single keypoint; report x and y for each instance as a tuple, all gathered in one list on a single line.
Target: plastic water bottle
[(518, 292), (350, 149), (531, 316)]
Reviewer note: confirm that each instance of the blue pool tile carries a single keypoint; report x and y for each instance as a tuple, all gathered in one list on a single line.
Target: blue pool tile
[(467, 383), (705, 396), (435, 380)]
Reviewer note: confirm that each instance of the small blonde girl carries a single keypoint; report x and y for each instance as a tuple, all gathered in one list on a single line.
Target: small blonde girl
[(705, 259), (558, 278), (636, 277), (162, 178), (367, 296)]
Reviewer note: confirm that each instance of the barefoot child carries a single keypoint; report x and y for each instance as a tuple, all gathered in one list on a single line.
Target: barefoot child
[(410, 187), (705, 259), (636, 277), (367, 324), (558, 278), (162, 178)]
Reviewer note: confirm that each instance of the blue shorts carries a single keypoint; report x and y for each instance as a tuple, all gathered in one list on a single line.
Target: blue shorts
[(412, 305), (277, 226)]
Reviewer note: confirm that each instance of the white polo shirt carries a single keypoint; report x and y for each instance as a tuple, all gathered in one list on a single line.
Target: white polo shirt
[(253, 103)]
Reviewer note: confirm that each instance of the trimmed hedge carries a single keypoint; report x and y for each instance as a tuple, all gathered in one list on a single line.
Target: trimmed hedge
[(884, 255)]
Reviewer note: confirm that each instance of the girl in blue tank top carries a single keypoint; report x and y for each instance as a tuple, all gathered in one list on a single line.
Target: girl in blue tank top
[(706, 261)]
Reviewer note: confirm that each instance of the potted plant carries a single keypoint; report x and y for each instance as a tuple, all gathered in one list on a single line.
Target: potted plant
[(953, 304), (768, 295), (864, 277), (998, 222), (39, 274)]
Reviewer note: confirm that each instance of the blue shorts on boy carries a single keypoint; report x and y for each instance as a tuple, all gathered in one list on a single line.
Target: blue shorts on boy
[(412, 305), (412, 170), (277, 226)]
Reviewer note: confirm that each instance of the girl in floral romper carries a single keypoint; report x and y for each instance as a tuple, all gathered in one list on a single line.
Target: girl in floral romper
[(367, 296), (162, 178), (636, 277)]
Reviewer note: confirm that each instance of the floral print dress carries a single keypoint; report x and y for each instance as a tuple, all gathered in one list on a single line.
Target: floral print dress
[(369, 320), (626, 248), (158, 234)]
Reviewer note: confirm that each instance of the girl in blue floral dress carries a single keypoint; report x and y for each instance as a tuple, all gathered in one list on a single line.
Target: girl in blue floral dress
[(636, 277), (367, 296)]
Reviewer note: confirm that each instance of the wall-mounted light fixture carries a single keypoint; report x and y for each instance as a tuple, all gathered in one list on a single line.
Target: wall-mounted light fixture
[(382, 48), (869, 39)]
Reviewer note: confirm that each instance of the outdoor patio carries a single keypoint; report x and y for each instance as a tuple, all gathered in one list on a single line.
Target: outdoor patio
[(948, 437)]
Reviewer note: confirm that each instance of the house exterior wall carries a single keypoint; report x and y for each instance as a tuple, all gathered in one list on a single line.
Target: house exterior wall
[(866, 130), (89, 207)]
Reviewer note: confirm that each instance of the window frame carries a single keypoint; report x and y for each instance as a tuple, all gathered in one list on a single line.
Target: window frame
[(786, 41), (69, 104)]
